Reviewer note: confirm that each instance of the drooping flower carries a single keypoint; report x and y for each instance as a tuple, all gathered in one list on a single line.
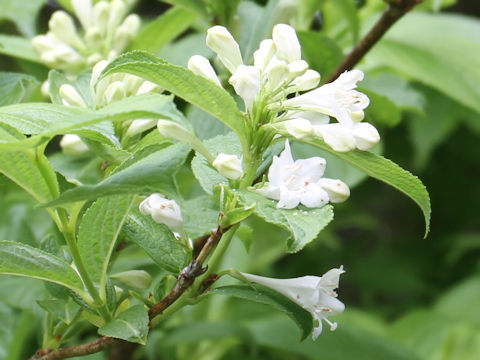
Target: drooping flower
[(294, 182), (163, 211), (229, 166), (313, 293)]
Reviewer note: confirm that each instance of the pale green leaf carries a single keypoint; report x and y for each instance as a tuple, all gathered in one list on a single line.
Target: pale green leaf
[(130, 325), (157, 240), (153, 173), (98, 233), (13, 87), (22, 13), (65, 310), (19, 47), (264, 295), (183, 83), (23, 260), (195, 5), (304, 224)]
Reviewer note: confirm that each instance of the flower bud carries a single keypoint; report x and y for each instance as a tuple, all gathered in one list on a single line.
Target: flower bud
[(338, 137), (173, 130), (121, 38), (277, 74), (286, 42), (163, 211), (132, 24), (264, 54), (93, 59), (337, 190), (297, 68), (44, 43), (83, 10), (62, 26), (225, 46), (201, 66), (94, 38), (246, 82), (46, 88), (229, 166), (70, 96), (148, 87), (100, 15), (117, 11), (114, 92), (366, 135), (140, 125), (299, 128), (65, 56), (73, 145), (307, 81)]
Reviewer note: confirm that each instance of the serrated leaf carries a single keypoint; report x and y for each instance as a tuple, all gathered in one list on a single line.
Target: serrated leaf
[(153, 173), (130, 325), (23, 260), (387, 171), (19, 47), (62, 309), (264, 295), (157, 240), (304, 224), (43, 121), (183, 83), (206, 175), (98, 234), (163, 29)]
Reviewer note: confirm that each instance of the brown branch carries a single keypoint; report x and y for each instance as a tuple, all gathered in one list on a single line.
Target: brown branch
[(396, 9), (184, 281)]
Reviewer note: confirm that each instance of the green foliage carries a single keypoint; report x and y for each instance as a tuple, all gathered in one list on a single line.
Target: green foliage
[(18, 47), (130, 325), (13, 87)]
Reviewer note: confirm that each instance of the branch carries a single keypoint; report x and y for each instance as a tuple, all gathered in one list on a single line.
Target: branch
[(185, 280), (396, 9)]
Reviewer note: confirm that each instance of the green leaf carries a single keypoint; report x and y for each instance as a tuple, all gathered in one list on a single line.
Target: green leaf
[(61, 309), (98, 234), (427, 48), (163, 29), (183, 83), (382, 110), (195, 5), (264, 295), (12, 87), (303, 224), (320, 52), (22, 13), (157, 240), (81, 84), (206, 175), (200, 216), (18, 47), (44, 120), (130, 325), (153, 173), (23, 260), (387, 171)]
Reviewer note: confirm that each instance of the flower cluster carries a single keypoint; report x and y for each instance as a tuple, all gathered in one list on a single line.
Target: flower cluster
[(278, 71), (293, 182), (315, 294), (107, 32)]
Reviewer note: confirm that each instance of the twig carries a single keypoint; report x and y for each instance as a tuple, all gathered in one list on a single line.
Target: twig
[(396, 9), (185, 280)]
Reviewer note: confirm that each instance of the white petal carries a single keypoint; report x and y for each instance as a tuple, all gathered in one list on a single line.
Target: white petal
[(264, 54), (337, 190), (286, 41), (270, 191), (309, 80), (337, 137), (310, 169), (299, 128), (246, 82), (366, 135), (224, 45), (349, 79), (314, 196), (288, 199)]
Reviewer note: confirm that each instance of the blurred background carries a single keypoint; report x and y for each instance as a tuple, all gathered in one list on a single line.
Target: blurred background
[(407, 297)]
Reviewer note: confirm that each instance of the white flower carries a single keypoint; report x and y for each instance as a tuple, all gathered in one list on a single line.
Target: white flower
[(73, 145), (70, 96), (264, 54), (173, 130), (201, 66), (286, 42), (293, 182), (224, 45), (315, 294), (246, 82), (229, 166), (140, 125), (163, 211)]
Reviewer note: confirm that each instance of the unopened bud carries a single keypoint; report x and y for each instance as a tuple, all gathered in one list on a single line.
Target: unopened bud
[(246, 82), (201, 66), (163, 211), (173, 130), (117, 11), (229, 166), (114, 92), (338, 137), (140, 125), (286, 42), (307, 81), (277, 73), (299, 128), (100, 15), (83, 10), (366, 134), (121, 38), (94, 38), (132, 24), (225, 46), (73, 145), (337, 190), (70, 96), (138, 279), (297, 68), (62, 26), (264, 54), (147, 87)]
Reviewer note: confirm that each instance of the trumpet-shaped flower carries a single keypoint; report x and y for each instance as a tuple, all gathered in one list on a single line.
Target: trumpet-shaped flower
[(163, 211), (229, 166), (313, 293), (294, 182)]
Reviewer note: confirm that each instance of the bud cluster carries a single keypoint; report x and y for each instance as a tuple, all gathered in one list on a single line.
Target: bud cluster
[(106, 33)]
